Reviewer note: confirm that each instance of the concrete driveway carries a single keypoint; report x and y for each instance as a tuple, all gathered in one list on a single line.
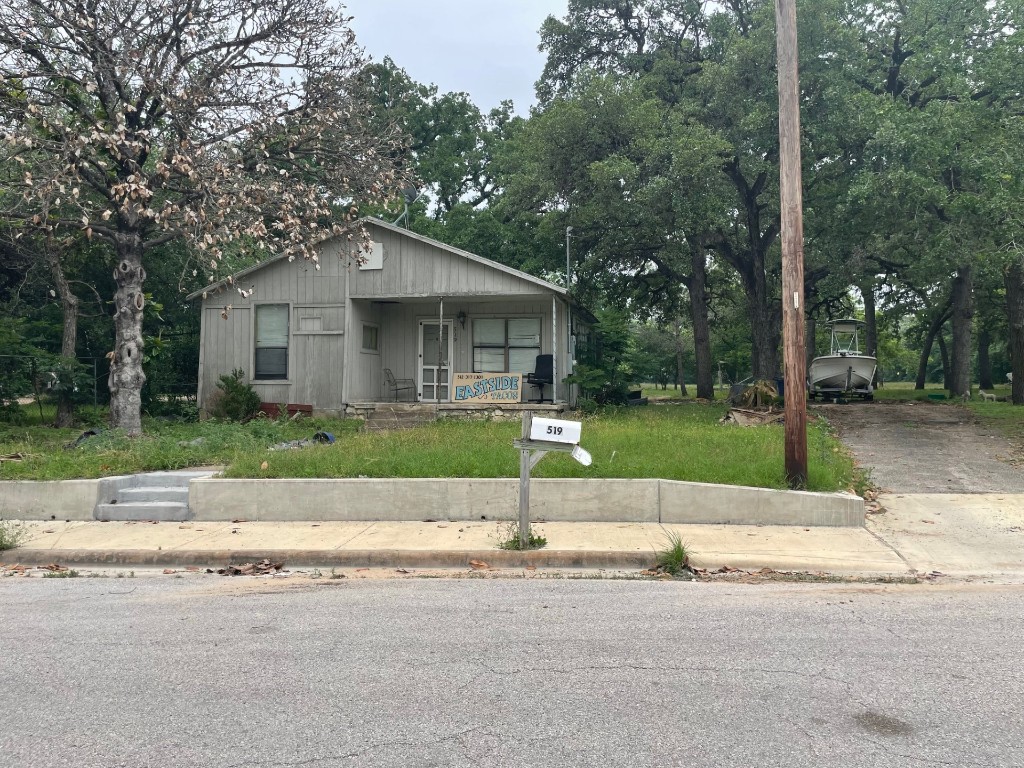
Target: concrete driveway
[(952, 489)]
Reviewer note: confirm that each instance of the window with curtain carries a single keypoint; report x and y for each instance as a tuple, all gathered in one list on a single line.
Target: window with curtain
[(505, 344), (271, 341)]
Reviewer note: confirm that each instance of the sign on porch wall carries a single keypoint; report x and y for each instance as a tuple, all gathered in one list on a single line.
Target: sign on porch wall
[(488, 387)]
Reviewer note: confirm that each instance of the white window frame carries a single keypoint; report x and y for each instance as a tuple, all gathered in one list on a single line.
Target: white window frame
[(506, 318), (252, 345)]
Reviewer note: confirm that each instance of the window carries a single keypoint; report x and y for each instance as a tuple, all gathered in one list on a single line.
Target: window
[(271, 361), (505, 344), (371, 338)]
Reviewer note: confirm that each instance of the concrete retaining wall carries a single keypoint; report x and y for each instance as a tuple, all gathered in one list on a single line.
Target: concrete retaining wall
[(568, 500), (48, 500), (708, 503), (561, 500)]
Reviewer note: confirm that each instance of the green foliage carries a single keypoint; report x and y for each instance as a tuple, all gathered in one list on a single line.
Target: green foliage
[(675, 557), (508, 537), (21, 360), (602, 370), (237, 400)]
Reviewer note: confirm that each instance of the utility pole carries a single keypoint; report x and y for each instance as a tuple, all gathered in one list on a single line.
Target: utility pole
[(793, 351), (568, 269)]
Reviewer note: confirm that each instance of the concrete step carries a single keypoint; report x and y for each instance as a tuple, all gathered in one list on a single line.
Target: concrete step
[(402, 408), (174, 478), (383, 426), (391, 422), (177, 493), (166, 511)]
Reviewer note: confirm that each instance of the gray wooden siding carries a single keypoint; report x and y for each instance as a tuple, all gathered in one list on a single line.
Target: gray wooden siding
[(226, 345), (298, 282), (413, 268), (365, 380), (315, 357)]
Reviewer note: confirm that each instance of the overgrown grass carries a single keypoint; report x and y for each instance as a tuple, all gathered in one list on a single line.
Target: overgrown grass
[(904, 390), (1006, 417), (678, 441), (165, 445)]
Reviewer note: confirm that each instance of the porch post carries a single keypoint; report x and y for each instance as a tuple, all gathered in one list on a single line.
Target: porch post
[(554, 349), (440, 355)]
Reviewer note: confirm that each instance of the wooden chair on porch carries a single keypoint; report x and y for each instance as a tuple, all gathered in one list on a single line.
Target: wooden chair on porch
[(543, 374), (398, 385)]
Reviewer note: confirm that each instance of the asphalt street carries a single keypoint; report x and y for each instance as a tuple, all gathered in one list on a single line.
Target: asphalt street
[(213, 671)]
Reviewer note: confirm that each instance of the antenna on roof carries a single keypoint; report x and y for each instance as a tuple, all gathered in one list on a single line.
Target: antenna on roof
[(409, 196)]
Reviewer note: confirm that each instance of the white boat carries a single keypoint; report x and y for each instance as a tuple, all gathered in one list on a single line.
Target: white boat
[(844, 371)]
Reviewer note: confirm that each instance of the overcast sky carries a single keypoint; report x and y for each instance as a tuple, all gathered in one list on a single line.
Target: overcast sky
[(487, 49)]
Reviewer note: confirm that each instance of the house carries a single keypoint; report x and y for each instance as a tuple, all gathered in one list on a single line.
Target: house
[(414, 319)]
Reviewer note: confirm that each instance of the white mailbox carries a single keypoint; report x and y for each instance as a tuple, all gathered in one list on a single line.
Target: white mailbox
[(555, 431)]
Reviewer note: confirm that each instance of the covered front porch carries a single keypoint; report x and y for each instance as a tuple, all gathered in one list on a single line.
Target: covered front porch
[(430, 351)]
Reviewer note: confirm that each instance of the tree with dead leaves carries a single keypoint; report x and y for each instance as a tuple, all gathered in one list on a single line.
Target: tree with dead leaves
[(215, 121)]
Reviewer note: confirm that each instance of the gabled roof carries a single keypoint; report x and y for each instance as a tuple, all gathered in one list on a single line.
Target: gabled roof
[(405, 233)]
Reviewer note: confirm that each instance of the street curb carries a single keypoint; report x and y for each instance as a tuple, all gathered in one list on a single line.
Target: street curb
[(353, 558)]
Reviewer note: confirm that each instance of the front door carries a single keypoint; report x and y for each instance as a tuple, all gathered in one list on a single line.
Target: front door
[(435, 361)]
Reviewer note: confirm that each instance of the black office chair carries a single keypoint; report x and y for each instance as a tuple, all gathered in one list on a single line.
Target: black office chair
[(543, 374)]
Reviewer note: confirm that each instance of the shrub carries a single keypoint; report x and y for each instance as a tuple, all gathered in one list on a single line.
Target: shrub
[(237, 400)]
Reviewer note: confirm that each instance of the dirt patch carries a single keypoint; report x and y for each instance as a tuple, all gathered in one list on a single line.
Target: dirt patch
[(915, 447)]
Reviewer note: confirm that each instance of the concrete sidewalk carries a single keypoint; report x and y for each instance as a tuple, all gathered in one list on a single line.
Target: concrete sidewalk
[(451, 544), (964, 536)]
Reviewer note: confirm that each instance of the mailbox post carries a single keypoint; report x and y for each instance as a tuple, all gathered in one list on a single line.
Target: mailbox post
[(540, 436)]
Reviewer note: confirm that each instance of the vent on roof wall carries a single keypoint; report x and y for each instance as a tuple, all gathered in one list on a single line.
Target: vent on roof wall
[(374, 258)]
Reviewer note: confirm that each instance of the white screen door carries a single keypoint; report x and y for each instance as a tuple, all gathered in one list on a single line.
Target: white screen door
[(435, 362)]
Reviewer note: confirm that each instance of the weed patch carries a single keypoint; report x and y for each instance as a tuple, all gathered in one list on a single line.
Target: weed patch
[(71, 573), (508, 537), (11, 534), (674, 559)]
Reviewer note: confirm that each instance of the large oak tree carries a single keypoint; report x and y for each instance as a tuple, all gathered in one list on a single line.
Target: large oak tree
[(209, 120)]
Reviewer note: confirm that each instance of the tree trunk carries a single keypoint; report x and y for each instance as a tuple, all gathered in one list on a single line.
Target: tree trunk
[(926, 351), (69, 339), (680, 370), (984, 361), (944, 355), (126, 374), (870, 321), (701, 328), (963, 317), (1014, 280), (748, 259), (765, 334)]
